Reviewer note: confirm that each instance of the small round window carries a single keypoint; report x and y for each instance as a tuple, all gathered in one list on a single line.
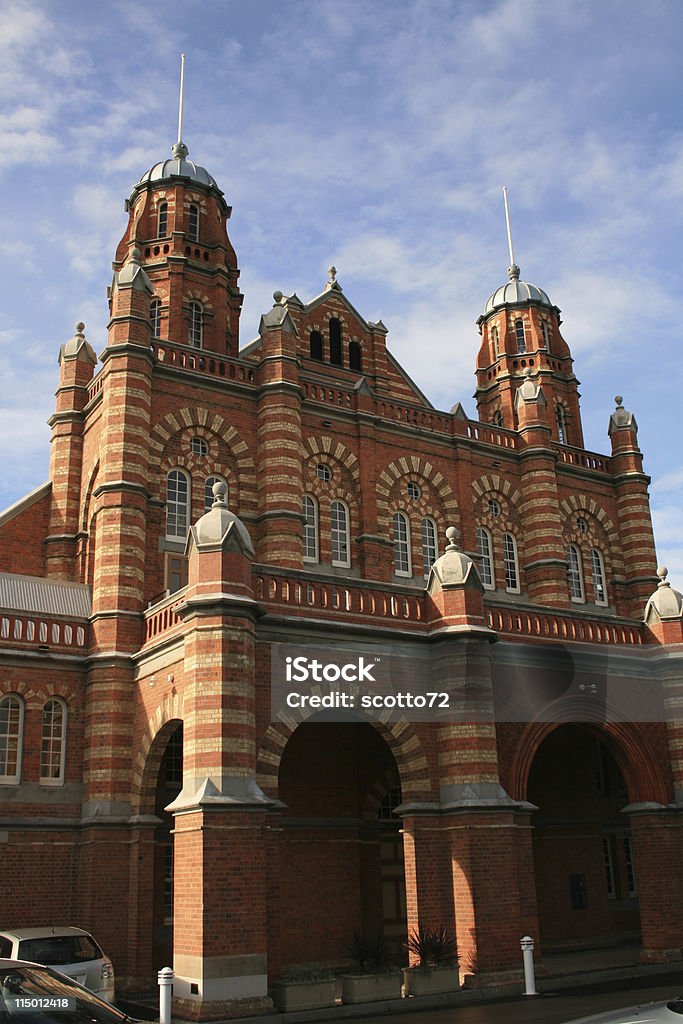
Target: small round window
[(198, 446), (323, 472), (582, 525), (494, 507), (413, 490)]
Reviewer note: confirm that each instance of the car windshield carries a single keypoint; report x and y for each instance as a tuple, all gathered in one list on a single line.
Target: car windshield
[(60, 949), (36, 995)]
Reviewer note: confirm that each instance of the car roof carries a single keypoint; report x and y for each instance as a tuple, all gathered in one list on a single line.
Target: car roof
[(46, 932)]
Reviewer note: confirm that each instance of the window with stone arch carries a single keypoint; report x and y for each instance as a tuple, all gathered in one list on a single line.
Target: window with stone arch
[(209, 496), (309, 508), (575, 574), (195, 330), (339, 522), (355, 356), (336, 357), (53, 743), (495, 341), (429, 551), (545, 334), (561, 420), (510, 563), (193, 223), (402, 559), (162, 220), (498, 418), (177, 504), (598, 575), (11, 739), (316, 346), (155, 317), (485, 553), (520, 336)]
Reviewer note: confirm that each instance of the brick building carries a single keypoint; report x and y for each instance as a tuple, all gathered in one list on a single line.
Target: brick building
[(152, 791)]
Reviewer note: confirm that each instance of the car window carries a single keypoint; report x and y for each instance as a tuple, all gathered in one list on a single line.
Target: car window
[(60, 949), (33, 982), (5, 947)]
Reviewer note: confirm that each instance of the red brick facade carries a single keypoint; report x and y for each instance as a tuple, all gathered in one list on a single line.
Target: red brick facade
[(281, 832)]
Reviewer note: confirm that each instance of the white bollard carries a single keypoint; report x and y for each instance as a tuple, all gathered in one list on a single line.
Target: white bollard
[(527, 944), (165, 981)]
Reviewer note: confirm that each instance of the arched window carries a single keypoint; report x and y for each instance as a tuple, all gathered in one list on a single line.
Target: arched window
[(335, 342), (11, 738), (316, 345), (339, 515), (575, 573), (355, 356), (195, 331), (162, 220), (484, 549), (545, 334), (53, 743), (598, 574), (520, 336), (561, 417), (402, 562), (510, 563), (428, 545), (155, 317), (177, 504), (498, 418), (209, 496), (309, 507), (193, 232), (495, 341)]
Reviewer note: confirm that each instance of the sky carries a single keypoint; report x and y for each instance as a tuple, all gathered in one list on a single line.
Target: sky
[(375, 136)]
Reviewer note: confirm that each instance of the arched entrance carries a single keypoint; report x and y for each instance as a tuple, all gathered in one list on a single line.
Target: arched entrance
[(340, 850), (168, 746), (586, 881)]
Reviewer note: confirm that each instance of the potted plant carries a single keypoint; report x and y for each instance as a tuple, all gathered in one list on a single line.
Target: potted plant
[(304, 987), (436, 970), (375, 976)]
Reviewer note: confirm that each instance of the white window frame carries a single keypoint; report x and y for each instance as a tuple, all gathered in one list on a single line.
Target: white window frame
[(511, 563), (495, 338), (195, 325), (193, 229), (162, 214), (429, 547), (485, 553), (520, 339), (561, 422), (402, 553), (339, 533), (309, 508), (17, 736), (53, 739), (545, 334), (181, 509), (155, 317), (208, 492), (577, 592), (598, 576)]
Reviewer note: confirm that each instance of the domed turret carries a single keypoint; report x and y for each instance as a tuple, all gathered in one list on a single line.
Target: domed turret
[(516, 291), (177, 167), (666, 603)]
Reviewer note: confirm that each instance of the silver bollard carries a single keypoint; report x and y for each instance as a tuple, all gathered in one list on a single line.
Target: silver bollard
[(527, 944), (165, 981)]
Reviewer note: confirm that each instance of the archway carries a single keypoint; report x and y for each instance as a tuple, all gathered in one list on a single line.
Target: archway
[(584, 865), (168, 750), (340, 850)]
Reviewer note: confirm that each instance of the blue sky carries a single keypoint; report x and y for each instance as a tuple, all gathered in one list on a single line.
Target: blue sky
[(374, 135)]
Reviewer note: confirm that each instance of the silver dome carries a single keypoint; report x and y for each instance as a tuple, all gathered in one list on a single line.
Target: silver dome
[(516, 291), (178, 167)]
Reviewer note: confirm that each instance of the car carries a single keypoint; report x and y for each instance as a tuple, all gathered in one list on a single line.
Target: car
[(34, 994), (71, 951), (670, 1012)]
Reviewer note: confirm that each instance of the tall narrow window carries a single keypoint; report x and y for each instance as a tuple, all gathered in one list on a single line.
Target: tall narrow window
[(193, 233), (428, 545), (316, 345), (310, 511), (495, 340), (545, 334), (510, 563), (339, 515), (162, 220), (520, 336), (195, 332), (355, 356), (177, 504), (155, 317), (598, 574), (498, 418), (402, 566), (11, 738), (208, 491), (176, 572), (485, 558), (608, 860), (561, 417), (53, 745), (630, 869), (574, 573), (335, 342)]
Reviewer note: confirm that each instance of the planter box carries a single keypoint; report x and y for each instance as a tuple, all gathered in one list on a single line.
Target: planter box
[(307, 995), (369, 988), (429, 983)]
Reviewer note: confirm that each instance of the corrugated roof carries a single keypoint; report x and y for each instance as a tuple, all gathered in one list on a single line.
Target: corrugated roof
[(44, 597)]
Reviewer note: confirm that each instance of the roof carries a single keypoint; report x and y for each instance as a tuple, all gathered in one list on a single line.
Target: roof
[(44, 597), (515, 291), (23, 503)]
